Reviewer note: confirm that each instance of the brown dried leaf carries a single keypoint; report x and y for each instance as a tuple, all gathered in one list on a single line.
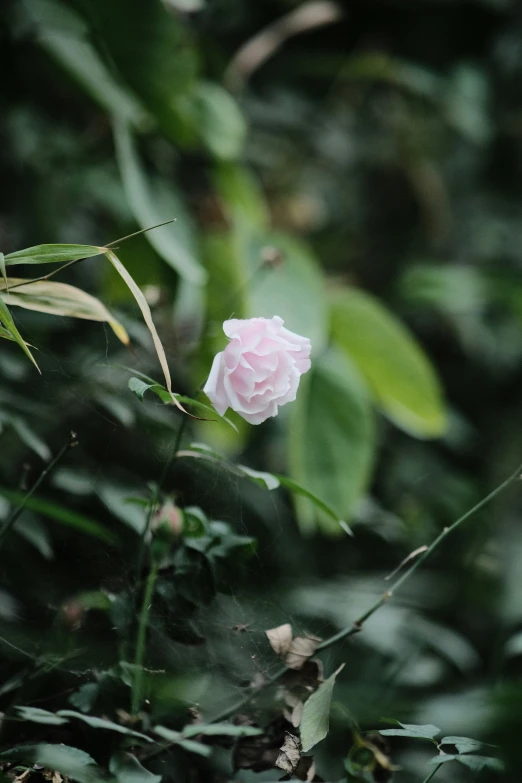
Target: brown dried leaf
[(301, 649), (280, 638), (290, 754)]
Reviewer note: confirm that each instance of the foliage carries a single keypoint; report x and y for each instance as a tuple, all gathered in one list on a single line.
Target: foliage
[(359, 176)]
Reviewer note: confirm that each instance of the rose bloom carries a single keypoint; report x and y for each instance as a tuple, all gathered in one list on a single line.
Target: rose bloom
[(259, 369)]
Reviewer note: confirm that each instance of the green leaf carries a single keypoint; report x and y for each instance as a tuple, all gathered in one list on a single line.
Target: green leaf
[(297, 489), (476, 763), (70, 762), (85, 697), (265, 480), (7, 320), (36, 534), (331, 441), (293, 289), (147, 317), (315, 722), (139, 387), (177, 738), (412, 730), (463, 744), (220, 121), (128, 769), (53, 254), (394, 365), (58, 513), (37, 715), (101, 723), (48, 296), (220, 730), (65, 36), (152, 203)]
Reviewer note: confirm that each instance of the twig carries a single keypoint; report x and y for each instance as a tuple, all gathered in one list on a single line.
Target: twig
[(137, 683), (357, 625), (11, 521)]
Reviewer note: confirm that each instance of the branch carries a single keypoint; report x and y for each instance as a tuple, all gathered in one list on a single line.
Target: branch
[(357, 625)]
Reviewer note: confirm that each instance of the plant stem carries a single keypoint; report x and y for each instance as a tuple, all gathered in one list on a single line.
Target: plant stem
[(11, 521), (432, 774), (137, 683), (357, 625)]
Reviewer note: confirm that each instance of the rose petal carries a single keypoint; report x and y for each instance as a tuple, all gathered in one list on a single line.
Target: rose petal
[(214, 387)]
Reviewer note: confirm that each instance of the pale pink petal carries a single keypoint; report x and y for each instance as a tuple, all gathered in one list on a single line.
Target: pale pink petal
[(214, 387)]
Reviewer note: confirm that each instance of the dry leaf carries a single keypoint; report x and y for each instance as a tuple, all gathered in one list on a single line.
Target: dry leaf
[(290, 754), (280, 638), (301, 648)]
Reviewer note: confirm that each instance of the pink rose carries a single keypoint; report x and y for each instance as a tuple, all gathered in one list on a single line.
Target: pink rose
[(259, 369)]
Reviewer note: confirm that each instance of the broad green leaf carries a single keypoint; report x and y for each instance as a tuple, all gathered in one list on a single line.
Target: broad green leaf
[(177, 738), (85, 697), (53, 254), (48, 296), (65, 36), (297, 489), (220, 730), (331, 441), (221, 123), (147, 316), (70, 762), (101, 723), (152, 203), (9, 324), (412, 730), (315, 721), (476, 763), (392, 362), (127, 769), (265, 480), (37, 715), (293, 289), (463, 744), (242, 198), (58, 513)]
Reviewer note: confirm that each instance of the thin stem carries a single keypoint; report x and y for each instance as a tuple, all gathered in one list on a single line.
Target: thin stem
[(141, 231), (357, 625), (432, 774), (11, 521), (48, 276), (137, 684)]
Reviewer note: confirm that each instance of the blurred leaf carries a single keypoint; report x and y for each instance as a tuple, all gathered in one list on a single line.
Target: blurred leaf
[(2, 267), (70, 762), (101, 723), (47, 296), (177, 738), (476, 763), (35, 533), (64, 35), (463, 744), (153, 202), (52, 254), (85, 697), (293, 289), (27, 435), (414, 731), (331, 440), (220, 730), (7, 320), (128, 769), (315, 721), (37, 715), (396, 368), (147, 317), (58, 513), (241, 195), (221, 123), (154, 55), (188, 6)]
